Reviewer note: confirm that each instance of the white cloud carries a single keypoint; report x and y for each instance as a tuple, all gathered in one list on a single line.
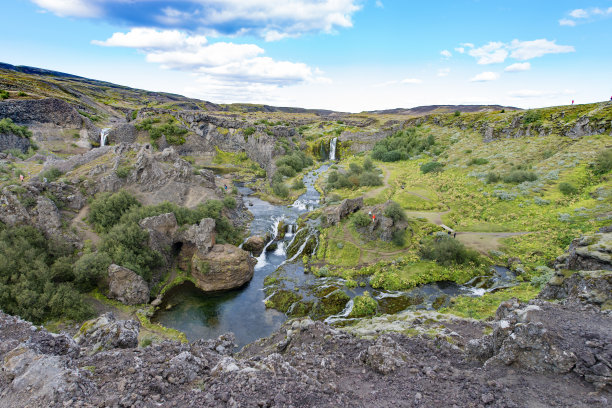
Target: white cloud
[(230, 64), (442, 72), (579, 13), (72, 8), (446, 53), (491, 53), (518, 67), (467, 45), (149, 38), (567, 22), (525, 50), (269, 19), (497, 52), (460, 50), (411, 81), (379, 4), (485, 77)]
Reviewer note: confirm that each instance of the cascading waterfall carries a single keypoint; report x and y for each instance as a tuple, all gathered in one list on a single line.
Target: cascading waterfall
[(103, 136), (332, 148), (261, 259)]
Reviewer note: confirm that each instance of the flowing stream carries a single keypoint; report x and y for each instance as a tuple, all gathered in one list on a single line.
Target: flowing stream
[(242, 311)]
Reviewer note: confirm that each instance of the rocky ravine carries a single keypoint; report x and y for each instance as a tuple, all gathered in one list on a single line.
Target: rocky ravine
[(538, 354)]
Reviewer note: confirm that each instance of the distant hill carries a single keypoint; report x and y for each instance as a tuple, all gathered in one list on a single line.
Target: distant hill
[(426, 110)]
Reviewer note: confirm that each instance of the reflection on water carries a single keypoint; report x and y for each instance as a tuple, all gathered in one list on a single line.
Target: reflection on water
[(241, 311)]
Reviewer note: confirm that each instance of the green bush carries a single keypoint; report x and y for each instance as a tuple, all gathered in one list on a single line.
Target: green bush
[(603, 162), (356, 169), (296, 160), (363, 305), (401, 145), (127, 245), (108, 208), (297, 185), (175, 135), (4, 95), (520, 176), (123, 171), (90, 268), (368, 178), (36, 277), (368, 165), (229, 202), (360, 219), (395, 212), (52, 174), (492, 178), (567, 189), (432, 167), (249, 131), (532, 116), (280, 189), (286, 170), (399, 237), (7, 126), (477, 161), (447, 251)]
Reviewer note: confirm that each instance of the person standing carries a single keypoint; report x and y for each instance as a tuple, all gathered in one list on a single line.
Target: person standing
[(572, 101)]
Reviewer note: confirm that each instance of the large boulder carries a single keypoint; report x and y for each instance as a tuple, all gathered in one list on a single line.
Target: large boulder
[(162, 231), (126, 286), (334, 214), (224, 267), (197, 238), (106, 332), (254, 244), (594, 287), (124, 133)]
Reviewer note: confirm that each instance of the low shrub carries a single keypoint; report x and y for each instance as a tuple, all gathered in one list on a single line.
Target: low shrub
[(519, 176), (363, 305), (360, 219), (477, 161), (492, 178), (567, 189), (280, 189), (402, 145), (395, 212), (7, 126), (603, 162), (51, 175), (447, 251), (431, 167), (297, 185), (229, 202)]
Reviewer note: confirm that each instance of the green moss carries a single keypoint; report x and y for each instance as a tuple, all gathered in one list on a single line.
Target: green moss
[(364, 305), (282, 299)]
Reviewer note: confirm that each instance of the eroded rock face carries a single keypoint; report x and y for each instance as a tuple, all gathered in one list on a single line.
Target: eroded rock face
[(126, 286), (588, 253), (333, 215), (48, 110), (385, 356), (106, 332), (594, 287), (224, 267), (11, 141)]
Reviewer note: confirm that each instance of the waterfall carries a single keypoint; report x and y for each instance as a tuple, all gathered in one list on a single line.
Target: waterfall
[(261, 259), (103, 136), (332, 148)]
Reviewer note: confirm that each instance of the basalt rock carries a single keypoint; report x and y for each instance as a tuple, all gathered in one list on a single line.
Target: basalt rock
[(126, 286), (224, 267), (254, 244), (106, 332), (334, 214), (11, 141), (589, 252)]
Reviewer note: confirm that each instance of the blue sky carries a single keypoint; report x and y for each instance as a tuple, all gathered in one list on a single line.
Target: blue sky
[(348, 55)]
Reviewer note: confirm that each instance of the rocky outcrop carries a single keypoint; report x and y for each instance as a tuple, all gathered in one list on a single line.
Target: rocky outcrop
[(590, 252), (593, 287), (126, 286), (48, 111), (547, 338), (106, 332), (334, 214), (10, 141), (224, 267), (124, 133)]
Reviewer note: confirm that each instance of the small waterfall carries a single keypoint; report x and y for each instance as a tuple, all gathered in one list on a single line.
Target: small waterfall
[(103, 136), (280, 249), (261, 259), (332, 148)]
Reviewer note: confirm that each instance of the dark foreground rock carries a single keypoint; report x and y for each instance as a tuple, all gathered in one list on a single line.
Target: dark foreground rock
[(307, 364)]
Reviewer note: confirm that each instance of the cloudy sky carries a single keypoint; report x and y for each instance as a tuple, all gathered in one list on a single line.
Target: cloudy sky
[(348, 55)]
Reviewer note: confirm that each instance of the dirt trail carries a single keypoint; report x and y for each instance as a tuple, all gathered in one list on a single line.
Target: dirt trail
[(378, 190), (82, 228)]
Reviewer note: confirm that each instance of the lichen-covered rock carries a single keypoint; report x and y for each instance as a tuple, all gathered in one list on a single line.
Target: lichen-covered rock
[(385, 356), (594, 287), (224, 267), (162, 231), (11, 141), (106, 332), (588, 253), (127, 286)]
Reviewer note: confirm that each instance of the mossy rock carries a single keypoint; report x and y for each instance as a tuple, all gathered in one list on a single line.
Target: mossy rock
[(304, 237), (300, 308), (331, 304), (282, 300), (395, 304), (363, 306)]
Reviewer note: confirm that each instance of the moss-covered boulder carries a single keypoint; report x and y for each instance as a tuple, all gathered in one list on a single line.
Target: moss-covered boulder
[(225, 267)]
